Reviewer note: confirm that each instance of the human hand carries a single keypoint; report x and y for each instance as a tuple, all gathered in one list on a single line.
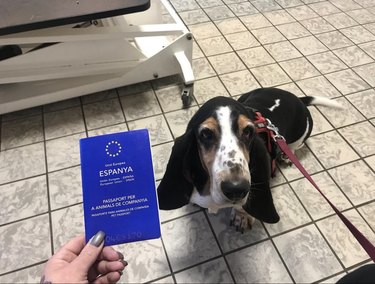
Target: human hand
[(77, 262)]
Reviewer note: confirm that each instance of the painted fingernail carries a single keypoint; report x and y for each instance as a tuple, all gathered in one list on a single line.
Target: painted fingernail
[(124, 262), (120, 271), (98, 239), (120, 255)]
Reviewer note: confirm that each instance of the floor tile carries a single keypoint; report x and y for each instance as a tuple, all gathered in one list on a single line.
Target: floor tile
[(188, 241), (279, 17), (240, 82), (293, 30), (208, 88), (219, 13), (28, 275), (66, 224), (134, 88), (362, 16), (369, 48), (346, 5), (140, 105), (368, 211), (256, 56), (268, 35), (230, 26), (313, 201), (370, 27), (302, 12), (317, 25), (336, 118), (194, 17), (167, 215), (361, 136), (334, 279), (209, 3), (364, 101), (22, 114), (170, 98), (178, 120), (197, 52), (62, 105), (265, 5), (270, 75), (308, 244), (121, 127), (20, 239), (289, 3), (324, 8), (242, 40), (347, 81), (204, 30), (367, 72), (23, 199), (160, 157), (299, 68), (307, 160), (355, 185), (21, 132), (100, 96), (309, 45), (255, 21), (102, 114), (331, 149), (291, 212), (371, 162), (146, 266), (358, 34), (282, 50), (202, 68), (227, 236), (157, 127), (65, 187), (258, 264), (326, 62), (215, 271), (226, 63), (318, 86), (214, 45), (334, 40), (33, 163), (242, 9), (342, 241), (184, 5), (63, 152), (292, 87), (353, 56), (340, 20), (63, 122)]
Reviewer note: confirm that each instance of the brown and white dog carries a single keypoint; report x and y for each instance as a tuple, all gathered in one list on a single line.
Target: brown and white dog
[(221, 161)]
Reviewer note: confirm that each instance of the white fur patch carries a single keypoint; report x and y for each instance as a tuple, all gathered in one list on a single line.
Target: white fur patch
[(277, 104)]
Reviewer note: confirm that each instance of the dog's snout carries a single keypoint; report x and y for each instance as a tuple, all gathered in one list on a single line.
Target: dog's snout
[(235, 190)]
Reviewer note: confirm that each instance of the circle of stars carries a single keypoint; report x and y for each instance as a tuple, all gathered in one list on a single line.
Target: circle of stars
[(117, 147)]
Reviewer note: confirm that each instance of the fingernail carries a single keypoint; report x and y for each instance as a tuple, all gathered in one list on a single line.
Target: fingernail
[(120, 255), (124, 262), (98, 239), (120, 271)]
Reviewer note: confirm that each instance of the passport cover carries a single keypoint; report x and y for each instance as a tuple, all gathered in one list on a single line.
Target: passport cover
[(119, 194)]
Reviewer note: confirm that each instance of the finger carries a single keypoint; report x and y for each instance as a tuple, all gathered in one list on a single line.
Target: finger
[(71, 250), (108, 253), (90, 252), (104, 267), (111, 277)]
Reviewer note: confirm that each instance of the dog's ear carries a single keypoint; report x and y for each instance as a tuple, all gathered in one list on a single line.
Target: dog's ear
[(184, 171), (260, 203)]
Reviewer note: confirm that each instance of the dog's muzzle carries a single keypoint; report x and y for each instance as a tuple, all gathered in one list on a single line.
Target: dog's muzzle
[(235, 191)]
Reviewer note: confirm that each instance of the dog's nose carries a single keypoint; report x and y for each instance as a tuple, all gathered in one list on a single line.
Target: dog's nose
[(235, 190)]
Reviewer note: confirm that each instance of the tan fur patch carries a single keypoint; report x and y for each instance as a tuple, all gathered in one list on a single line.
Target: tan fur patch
[(243, 121)]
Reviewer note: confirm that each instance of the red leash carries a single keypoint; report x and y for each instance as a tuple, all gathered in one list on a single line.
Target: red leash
[(280, 141)]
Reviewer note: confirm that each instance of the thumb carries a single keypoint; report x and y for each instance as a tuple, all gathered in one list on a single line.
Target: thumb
[(90, 252)]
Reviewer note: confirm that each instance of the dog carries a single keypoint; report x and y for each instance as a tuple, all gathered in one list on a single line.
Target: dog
[(221, 161)]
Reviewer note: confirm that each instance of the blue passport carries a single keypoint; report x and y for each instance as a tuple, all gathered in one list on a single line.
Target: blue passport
[(119, 194)]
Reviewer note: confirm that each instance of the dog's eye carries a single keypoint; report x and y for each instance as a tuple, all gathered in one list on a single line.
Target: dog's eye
[(206, 134), (248, 131)]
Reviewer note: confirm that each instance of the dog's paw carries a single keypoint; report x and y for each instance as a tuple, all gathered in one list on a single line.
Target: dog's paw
[(241, 220)]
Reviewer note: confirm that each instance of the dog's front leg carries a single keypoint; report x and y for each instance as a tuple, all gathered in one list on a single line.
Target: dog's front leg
[(241, 220)]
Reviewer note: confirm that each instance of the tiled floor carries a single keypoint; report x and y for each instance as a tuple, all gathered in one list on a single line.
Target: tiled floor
[(310, 47)]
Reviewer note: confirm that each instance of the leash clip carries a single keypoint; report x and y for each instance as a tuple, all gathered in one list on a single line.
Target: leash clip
[(275, 131)]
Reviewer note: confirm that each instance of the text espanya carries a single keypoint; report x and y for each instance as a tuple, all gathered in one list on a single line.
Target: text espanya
[(110, 172)]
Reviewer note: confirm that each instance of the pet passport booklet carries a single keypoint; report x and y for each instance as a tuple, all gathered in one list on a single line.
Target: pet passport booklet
[(119, 195)]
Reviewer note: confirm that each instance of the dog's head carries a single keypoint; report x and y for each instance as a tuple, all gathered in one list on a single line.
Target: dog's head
[(220, 155)]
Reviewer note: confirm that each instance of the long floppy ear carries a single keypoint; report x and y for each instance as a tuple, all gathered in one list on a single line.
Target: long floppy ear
[(260, 203), (184, 171)]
